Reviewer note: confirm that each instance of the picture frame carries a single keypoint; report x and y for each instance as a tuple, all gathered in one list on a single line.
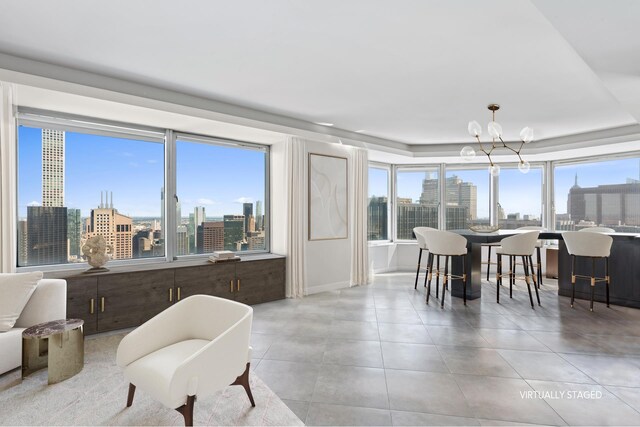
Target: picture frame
[(328, 202)]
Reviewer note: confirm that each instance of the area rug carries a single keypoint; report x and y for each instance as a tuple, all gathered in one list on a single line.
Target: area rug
[(97, 396)]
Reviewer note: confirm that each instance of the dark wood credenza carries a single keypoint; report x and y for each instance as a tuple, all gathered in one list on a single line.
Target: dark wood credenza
[(123, 299)]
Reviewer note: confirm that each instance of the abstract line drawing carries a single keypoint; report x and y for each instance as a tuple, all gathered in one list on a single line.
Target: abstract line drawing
[(328, 202)]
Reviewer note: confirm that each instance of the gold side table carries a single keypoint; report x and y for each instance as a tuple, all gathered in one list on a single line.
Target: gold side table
[(58, 345)]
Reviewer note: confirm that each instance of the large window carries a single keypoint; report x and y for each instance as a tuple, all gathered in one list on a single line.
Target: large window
[(520, 197), (74, 184), (417, 200), (378, 209), (221, 190), (467, 198), (604, 193)]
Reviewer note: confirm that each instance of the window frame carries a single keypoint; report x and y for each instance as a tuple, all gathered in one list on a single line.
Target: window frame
[(389, 170), (46, 119), (415, 168), (543, 190)]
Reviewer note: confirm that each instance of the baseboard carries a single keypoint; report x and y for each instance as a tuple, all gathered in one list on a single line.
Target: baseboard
[(327, 287)]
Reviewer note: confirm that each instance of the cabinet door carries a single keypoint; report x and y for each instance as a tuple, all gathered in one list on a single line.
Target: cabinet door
[(192, 281), (82, 301), (131, 299), (260, 281)]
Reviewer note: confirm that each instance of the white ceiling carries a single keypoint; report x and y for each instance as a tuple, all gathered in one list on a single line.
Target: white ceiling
[(414, 71)]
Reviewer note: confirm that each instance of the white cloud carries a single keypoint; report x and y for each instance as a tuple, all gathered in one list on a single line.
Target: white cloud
[(152, 161), (34, 203), (243, 200), (206, 202)]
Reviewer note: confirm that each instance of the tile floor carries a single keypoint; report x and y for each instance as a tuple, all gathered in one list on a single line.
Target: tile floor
[(377, 355)]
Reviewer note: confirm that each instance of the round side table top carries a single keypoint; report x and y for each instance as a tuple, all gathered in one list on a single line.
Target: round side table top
[(49, 328)]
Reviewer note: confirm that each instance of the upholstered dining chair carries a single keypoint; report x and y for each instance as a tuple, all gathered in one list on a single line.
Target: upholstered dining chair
[(519, 245), (538, 271), (422, 246), (448, 245), (589, 245), (194, 348)]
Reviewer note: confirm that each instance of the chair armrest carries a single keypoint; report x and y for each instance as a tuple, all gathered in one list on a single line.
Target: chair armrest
[(48, 302), (160, 331), (216, 365)]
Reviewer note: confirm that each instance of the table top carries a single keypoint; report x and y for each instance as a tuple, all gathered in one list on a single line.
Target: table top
[(50, 328)]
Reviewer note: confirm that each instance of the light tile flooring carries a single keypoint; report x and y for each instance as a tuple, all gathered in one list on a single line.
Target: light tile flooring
[(377, 355)]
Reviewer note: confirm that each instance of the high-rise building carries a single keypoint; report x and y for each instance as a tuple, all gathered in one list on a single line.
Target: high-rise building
[(259, 216), (464, 194), (22, 242), (377, 218), (213, 236), (191, 232), (52, 168), (116, 229), (612, 205), (233, 231), (198, 218), (247, 210), (74, 233), (182, 240), (255, 240), (46, 235), (430, 190), (178, 214)]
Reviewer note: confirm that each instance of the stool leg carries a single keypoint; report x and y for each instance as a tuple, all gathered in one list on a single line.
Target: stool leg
[(606, 277), (573, 279), (498, 277), (536, 284), (539, 261), (430, 266), (525, 266), (437, 275), (418, 270), (511, 266), (428, 272), (464, 280), (488, 263), (445, 279), (593, 281)]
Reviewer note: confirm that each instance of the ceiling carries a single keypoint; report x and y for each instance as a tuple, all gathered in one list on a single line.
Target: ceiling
[(413, 72)]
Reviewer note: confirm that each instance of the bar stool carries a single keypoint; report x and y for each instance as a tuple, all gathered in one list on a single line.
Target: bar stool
[(489, 246), (598, 230), (520, 245), (422, 245), (538, 249), (592, 245), (446, 244)]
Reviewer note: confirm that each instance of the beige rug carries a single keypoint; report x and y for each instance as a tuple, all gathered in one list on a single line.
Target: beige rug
[(97, 396)]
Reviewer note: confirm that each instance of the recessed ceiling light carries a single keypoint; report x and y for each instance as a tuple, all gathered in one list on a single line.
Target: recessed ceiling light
[(324, 124)]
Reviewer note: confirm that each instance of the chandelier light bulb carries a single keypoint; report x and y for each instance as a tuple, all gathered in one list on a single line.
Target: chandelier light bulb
[(524, 166), (495, 130), (467, 153), (474, 128), (526, 135), (494, 170)]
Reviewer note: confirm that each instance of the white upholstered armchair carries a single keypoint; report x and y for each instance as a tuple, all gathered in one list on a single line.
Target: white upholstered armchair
[(194, 348)]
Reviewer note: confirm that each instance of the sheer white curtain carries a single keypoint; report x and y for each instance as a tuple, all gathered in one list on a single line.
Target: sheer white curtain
[(296, 217), (8, 223), (359, 244)]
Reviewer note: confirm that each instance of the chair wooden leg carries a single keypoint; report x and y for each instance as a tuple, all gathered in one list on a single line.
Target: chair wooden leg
[(573, 279), (539, 266), (593, 285), (536, 284), (243, 380), (526, 278), (418, 271), (488, 262), (428, 272), (606, 272), (464, 279), (132, 391), (429, 269), (445, 279), (438, 276), (511, 266), (187, 410)]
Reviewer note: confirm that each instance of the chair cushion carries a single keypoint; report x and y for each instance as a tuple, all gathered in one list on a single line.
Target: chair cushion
[(15, 291), (154, 372)]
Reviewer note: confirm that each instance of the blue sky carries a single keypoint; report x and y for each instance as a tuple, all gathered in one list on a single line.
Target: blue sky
[(219, 178), (518, 192)]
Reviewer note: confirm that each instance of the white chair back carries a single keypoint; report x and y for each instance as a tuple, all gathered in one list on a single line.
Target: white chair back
[(445, 242), (520, 244), (599, 230), (419, 232), (587, 244)]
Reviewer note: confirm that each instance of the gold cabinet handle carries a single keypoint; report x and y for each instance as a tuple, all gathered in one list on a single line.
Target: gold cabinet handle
[(178, 293), (231, 285), (92, 303), (102, 305), (238, 285), (170, 294)]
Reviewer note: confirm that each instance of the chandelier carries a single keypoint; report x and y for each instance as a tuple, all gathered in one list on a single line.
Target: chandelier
[(495, 131)]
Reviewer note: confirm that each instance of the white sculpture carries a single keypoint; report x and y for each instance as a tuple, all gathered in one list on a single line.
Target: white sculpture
[(98, 252)]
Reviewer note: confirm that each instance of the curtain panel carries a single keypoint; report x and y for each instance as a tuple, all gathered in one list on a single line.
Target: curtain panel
[(359, 244), (296, 218), (8, 221)]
